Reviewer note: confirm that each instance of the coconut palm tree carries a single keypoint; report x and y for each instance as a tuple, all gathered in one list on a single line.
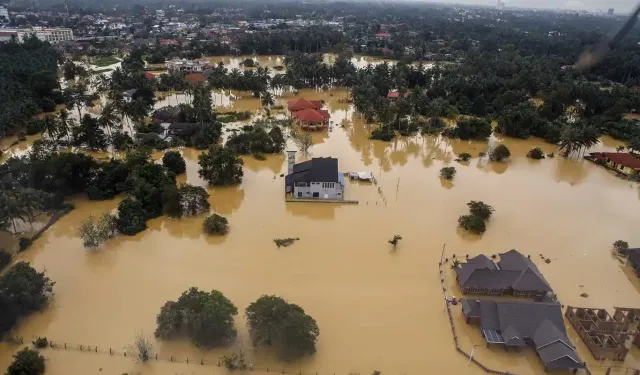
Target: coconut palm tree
[(65, 124), (267, 101), (50, 126)]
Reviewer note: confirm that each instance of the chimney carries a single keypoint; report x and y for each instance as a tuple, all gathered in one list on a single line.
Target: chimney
[(291, 160)]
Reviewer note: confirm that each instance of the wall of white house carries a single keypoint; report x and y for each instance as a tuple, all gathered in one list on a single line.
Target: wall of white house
[(321, 190)]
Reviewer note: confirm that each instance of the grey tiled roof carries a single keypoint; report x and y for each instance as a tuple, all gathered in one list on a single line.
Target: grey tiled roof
[(514, 270), (542, 323)]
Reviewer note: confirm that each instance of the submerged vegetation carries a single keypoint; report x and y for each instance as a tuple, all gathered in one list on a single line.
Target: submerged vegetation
[(479, 213)]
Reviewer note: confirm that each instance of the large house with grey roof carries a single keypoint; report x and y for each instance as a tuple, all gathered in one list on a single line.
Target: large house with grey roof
[(518, 324), (317, 178), (514, 274)]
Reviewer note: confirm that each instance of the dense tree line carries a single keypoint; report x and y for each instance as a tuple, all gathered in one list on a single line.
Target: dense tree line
[(28, 83)]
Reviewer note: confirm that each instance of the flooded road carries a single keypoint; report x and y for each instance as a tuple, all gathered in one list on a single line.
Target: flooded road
[(377, 308)]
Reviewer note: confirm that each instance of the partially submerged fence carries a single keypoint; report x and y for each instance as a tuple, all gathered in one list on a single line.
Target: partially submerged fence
[(469, 356), (195, 360)]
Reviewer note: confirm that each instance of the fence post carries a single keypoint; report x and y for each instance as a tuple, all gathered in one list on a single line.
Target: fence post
[(187, 359), (80, 347), (96, 349), (65, 346), (156, 356), (171, 358), (202, 361), (110, 353)]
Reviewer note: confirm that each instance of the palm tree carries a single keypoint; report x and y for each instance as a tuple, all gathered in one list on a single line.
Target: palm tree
[(267, 101), (50, 126), (65, 124)]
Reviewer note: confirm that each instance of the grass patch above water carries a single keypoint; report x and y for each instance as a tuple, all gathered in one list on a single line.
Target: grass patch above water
[(106, 61)]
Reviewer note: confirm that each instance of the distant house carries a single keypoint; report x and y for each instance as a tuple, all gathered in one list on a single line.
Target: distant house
[(196, 78), (128, 95), (520, 324), (396, 94), (184, 65), (149, 75), (178, 128), (383, 36), (316, 178), (622, 162), (302, 103), (514, 275), (169, 42)]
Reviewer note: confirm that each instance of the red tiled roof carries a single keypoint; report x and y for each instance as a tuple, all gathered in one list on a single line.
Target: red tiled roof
[(620, 158), (195, 77), (166, 42), (383, 35), (311, 115), (395, 94), (302, 103), (149, 75)]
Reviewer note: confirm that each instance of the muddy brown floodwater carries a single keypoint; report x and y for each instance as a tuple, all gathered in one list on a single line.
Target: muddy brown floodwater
[(377, 308)]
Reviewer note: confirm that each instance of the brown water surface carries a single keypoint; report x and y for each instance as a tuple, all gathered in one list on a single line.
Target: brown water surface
[(377, 308)]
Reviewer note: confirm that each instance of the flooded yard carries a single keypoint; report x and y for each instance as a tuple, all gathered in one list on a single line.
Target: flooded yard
[(377, 308)]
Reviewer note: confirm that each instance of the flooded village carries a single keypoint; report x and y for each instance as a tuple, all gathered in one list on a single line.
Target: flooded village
[(540, 289)]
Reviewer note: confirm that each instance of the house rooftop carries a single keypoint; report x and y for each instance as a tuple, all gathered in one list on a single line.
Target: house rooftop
[(513, 323), (314, 170), (620, 158), (514, 270), (311, 115), (302, 103)]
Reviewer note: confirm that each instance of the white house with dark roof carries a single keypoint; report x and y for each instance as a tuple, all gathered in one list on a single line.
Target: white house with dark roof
[(317, 178)]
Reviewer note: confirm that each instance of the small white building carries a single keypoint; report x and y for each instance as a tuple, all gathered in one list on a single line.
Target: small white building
[(4, 15), (185, 65), (317, 178)]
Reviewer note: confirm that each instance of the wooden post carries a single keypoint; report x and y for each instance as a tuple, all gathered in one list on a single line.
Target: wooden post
[(202, 361), (65, 346), (156, 356), (171, 358), (110, 353)]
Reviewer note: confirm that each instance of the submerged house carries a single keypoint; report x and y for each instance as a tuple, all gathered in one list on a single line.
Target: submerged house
[(519, 324), (606, 336), (317, 178), (308, 114), (514, 274), (621, 162)]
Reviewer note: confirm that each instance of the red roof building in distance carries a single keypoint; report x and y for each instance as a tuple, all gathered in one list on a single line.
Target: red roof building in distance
[(622, 162), (169, 42), (396, 95), (383, 35), (149, 75), (300, 104), (195, 78)]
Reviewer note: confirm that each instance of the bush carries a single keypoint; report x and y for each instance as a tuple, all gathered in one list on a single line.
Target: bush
[(500, 153), (621, 246), (121, 141), (535, 153), (27, 362), (131, 217), (215, 224), (470, 128), (93, 233), (259, 156), (205, 318), (5, 258), (472, 223), (220, 166), (174, 162), (465, 156), (274, 322), (34, 126), (448, 173), (383, 133), (480, 209), (40, 343), (24, 243)]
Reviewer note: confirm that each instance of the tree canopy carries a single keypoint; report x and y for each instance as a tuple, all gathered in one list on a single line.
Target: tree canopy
[(205, 318), (285, 326), (220, 166)]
